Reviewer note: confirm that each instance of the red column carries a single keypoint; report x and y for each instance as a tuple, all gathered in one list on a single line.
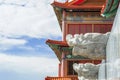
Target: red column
[(59, 73), (63, 25), (63, 65)]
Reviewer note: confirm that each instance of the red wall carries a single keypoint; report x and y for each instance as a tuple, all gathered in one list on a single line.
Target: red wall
[(86, 28)]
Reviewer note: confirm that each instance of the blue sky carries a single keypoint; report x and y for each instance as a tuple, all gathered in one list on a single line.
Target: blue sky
[(25, 25)]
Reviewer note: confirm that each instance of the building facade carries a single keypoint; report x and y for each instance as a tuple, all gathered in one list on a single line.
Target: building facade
[(76, 18)]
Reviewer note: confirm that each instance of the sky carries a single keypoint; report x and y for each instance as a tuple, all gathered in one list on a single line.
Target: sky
[(25, 25)]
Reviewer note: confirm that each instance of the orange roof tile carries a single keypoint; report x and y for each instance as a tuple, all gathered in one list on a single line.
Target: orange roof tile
[(61, 43), (87, 4)]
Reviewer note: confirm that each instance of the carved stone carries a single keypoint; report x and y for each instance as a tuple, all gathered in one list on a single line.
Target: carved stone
[(89, 45), (87, 71)]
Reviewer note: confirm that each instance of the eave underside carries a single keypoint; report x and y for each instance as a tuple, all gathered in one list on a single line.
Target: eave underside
[(56, 46)]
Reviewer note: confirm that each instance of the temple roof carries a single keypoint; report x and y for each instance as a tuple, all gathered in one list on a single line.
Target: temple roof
[(57, 47), (91, 5), (61, 46), (60, 43), (97, 4)]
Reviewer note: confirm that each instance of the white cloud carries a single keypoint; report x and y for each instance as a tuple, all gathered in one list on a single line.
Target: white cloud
[(28, 65), (9, 42), (31, 18), (35, 19), (15, 1)]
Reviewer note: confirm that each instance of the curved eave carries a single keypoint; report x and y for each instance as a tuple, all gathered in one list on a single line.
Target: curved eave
[(89, 4), (81, 6), (56, 47), (55, 42)]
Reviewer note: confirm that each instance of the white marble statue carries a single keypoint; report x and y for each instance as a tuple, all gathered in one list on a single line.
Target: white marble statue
[(89, 45), (87, 71)]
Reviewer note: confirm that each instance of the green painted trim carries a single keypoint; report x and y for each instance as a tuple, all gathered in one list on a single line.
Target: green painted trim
[(58, 11), (56, 50), (66, 48), (111, 8), (70, 56)]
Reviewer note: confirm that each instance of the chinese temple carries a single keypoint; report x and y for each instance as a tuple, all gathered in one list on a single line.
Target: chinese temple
[(76, 17)]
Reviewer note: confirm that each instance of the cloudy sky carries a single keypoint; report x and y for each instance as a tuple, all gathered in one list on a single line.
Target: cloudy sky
[(25, 25)]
